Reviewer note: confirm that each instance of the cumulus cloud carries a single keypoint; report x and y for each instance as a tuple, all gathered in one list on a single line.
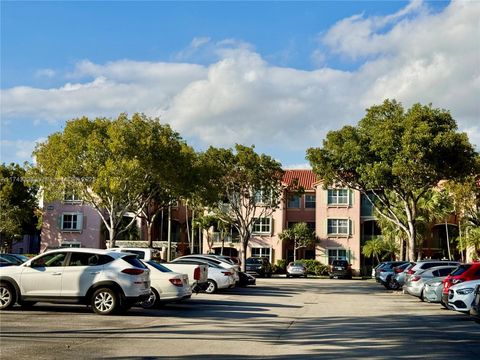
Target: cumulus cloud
[(18, 149), (414, 55)]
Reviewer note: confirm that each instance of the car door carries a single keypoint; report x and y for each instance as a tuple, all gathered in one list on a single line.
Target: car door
[(81, 271), (43, 276)]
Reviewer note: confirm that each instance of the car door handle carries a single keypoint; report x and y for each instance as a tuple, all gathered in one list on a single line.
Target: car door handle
[(57, 273)]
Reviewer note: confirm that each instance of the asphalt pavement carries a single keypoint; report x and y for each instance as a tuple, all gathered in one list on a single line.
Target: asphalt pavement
[(277, 319)]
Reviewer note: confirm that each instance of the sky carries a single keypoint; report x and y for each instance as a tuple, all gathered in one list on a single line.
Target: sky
[(277, 75)]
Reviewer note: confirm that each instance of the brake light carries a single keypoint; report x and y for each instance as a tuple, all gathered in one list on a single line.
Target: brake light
[(176, 282), (410, 272), (196, 273), (415, 278), (397, 270), (227, 273), (133, 271)]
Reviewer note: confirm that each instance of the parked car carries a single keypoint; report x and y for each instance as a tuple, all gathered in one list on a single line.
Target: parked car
[(246, 279), (427, 264), (340, 269), (224, 263), (397, 279), (475, 310), (296, 268), (432, 291), (461, 295), (145, 254), (386, 266), (166, 286), (218, 277), (258, 267), (388, 272), (464, 272), (107, 281), (416, 283)]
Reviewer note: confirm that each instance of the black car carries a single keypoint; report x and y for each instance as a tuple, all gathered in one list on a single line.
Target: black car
[(475, 309), (246, 279), (340, 269), (258, 266)]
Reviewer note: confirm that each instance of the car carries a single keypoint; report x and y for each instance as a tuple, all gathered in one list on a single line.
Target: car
[(296, 268), (388, 272), (475, 309), (461, 296), (432, 291), (340, 269), (427, 264), (416, 283), (218, 277), (258, 267), (396, 281), (387, 266), (464, 272), (246, 279), (224, 263), (109, 282), (166, 286)]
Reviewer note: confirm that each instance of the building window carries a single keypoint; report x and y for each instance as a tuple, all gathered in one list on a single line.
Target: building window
[(338, 227), (72, 222), (338, 197), (261, 252), (262, 226), (294, 202), (310, 201), (336, 254), (263, 196), (71, 197)]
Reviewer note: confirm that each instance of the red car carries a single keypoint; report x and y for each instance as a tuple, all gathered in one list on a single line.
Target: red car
[(464, 272)]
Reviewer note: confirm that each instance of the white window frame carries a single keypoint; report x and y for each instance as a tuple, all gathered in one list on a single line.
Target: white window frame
[(260, 196), (334, 197), (71, 197), (260, 226), (264, 252), (78, 222), (337, 226), (337, 257)]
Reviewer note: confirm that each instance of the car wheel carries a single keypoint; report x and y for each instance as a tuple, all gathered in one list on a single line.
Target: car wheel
[(421, 296), (212, 287), (152, 300), (105, 301), (7, 296)]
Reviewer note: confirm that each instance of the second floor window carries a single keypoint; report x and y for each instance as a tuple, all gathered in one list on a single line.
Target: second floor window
[(338, 197), (72, 222), (310, 201), (71, 196), (262, 226), (338, 227), (294, 202)]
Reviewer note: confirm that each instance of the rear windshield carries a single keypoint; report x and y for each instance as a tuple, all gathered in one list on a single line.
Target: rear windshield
[(134, 261), (461, 269), (254, 261), (158, 266), (340, 263)]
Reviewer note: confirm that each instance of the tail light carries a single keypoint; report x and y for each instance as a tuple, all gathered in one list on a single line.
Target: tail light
[(196, 273), (176, 282), (133, 271), (410, 271), (397, 270), (415, 278), (227, 273)]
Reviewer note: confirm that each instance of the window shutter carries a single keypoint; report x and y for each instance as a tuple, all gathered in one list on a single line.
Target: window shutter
[(271, 226), (84, 222), (350, 227), (79, 221), (60, 222), (350, 197)]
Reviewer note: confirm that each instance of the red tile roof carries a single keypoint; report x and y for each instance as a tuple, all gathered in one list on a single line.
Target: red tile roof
[(306, 178)]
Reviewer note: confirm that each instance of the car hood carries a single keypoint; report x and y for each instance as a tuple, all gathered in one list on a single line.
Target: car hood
[(466, 284)]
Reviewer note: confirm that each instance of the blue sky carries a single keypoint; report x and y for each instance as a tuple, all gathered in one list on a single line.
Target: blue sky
[(279, 75)]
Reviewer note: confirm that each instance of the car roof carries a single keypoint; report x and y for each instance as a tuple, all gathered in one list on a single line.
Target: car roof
[(87, 250)]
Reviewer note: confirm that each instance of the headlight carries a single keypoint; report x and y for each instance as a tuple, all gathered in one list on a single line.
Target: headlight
[(465, 291)]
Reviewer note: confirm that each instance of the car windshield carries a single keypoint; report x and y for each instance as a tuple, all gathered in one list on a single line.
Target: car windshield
[(340, 263), (296, 263), (460, 270), (158, 266), (254, 261)]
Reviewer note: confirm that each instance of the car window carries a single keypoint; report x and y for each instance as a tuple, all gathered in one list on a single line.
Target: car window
[(50, 260), (134, 261), (158, 266), (88, 259), (461, 269), (444, 272)]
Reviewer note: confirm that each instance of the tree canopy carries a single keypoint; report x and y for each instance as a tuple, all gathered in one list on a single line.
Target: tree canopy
[(398, 155), (301, 236)]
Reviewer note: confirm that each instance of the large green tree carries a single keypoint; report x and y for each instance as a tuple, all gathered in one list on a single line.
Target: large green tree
[(111, 164), (248, 186), (398, 155), (18, 204)]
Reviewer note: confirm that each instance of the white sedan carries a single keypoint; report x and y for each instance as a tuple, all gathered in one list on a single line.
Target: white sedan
[(166, 286), (460, 296)]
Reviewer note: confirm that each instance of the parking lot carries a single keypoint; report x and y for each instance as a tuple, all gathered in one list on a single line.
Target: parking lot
[(278, 318)]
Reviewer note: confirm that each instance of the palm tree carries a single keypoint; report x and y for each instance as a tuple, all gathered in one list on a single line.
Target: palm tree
[(374, 248)]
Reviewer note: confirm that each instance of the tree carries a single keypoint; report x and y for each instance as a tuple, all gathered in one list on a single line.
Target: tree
[(301, 236), (374, 248), (248, 187), (398, 155), (111, 164), (18, 204)]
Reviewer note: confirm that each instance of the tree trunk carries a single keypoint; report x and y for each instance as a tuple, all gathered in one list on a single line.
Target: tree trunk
[(149, 234), (244, 252), (448, 241)]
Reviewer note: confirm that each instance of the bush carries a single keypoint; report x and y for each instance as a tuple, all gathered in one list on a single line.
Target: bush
[(280, 267), (315, 267)]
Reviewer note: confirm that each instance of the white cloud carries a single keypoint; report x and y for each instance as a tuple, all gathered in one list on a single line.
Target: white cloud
[(45, 73), (21, 150), (412, 56)]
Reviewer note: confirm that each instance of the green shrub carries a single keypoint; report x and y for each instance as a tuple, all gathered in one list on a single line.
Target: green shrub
[(280, 267), (315, 267)]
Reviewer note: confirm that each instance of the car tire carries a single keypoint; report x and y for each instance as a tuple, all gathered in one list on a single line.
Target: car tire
[(7, 296), (212, 287), (105, 301), (152, 301)]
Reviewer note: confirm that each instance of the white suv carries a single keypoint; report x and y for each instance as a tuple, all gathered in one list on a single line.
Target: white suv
[(108, 281)]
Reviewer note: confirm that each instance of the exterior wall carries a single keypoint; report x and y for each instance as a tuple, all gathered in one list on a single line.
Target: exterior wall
[(52, 236), (350, 242)]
